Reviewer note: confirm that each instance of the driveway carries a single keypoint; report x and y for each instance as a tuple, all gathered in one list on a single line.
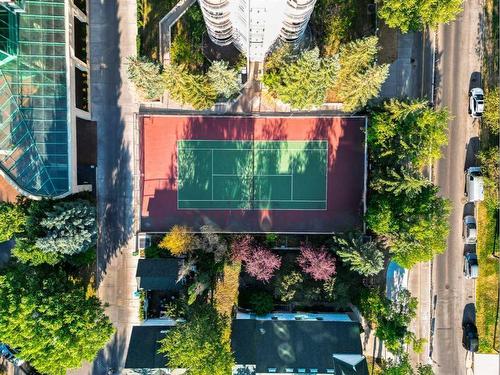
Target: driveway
[(112, 39)]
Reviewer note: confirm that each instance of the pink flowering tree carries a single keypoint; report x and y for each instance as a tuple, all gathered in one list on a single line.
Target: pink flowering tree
[(262, 263), (242, 248), (317, 263)]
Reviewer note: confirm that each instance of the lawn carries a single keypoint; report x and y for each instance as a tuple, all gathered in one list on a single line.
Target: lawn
[(487, 283)]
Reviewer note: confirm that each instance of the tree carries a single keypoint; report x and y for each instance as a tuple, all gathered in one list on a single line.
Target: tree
[(188, 88), (390, 318), (46, 315), (318, 263), (415, 228), (26, 252), (211, 243), (362, 257), (303, 82), (414, 15), (402, 366), (70, 228), (146, 77), (407, 181), (12, 220), (242, 247), (491, 115), (359, 78), (223, 79), (198, 346), (407, 133), (226, 289), (262, 263), (178, 241)]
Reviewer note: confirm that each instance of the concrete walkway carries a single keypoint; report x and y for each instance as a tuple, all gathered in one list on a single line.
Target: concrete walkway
[(113, 31)]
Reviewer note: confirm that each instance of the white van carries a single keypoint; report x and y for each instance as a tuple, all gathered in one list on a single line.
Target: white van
[(474, 185)]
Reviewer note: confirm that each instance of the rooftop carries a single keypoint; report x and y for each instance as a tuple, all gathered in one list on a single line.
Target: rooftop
[(33, 98)]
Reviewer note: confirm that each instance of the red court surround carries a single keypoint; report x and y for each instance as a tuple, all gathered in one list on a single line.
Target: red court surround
[(346, 168)]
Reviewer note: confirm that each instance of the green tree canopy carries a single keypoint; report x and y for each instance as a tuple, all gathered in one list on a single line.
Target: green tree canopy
[(359, 78), (403, 133), (46, 316), (391, 318), (189, 88), (223, 79), (413, 15), (198, 344), (146, 77), (70, 228), (362, 257), (415, 227), (303, 82), (12, 220)]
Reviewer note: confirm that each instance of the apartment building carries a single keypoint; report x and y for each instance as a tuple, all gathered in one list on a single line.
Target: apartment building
[(254, 26)]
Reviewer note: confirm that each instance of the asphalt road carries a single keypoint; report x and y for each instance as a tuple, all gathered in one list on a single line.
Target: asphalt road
[(112, 39), (458, 58)]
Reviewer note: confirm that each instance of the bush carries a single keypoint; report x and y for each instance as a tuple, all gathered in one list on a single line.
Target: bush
[(317, 263), (491, 115), (242, 247), (178, 241), (288, 286), (261, 302)]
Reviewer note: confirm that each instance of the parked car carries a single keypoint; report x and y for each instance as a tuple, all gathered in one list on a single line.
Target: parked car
[(474, 184), (476, 102), (470, 339), (471, 266), (469, 232), (10, 355)]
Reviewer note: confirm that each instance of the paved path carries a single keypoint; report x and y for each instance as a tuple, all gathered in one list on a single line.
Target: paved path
[(112, 39), (458, 60)]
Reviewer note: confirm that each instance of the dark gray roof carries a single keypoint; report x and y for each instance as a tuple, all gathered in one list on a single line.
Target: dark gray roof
[(158, 274), (298, 344), (143, 348)]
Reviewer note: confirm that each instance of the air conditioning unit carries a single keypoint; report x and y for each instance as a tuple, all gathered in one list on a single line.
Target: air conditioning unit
[(143, 241)]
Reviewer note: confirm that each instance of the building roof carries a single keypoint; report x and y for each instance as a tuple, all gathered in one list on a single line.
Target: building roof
[(143, 348), (33, 92), (158, 274), (299, 344)]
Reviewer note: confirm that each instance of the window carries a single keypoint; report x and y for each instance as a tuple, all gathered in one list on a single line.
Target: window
[(271, 369), (302, 370), (330, 371), (289, 370), (313, 371), (81, 90), (80, 39)]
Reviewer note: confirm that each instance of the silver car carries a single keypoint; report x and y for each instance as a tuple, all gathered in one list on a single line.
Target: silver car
[(469, 232), (471, 266), (476, 102)]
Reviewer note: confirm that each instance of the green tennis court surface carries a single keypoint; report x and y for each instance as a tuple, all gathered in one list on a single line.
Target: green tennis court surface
[(280, 175)]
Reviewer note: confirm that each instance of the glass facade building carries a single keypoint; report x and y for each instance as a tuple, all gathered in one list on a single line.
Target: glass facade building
[(34, 96)]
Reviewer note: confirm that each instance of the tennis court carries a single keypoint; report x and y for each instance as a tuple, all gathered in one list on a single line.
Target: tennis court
[(294, 174), (242, 174)]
